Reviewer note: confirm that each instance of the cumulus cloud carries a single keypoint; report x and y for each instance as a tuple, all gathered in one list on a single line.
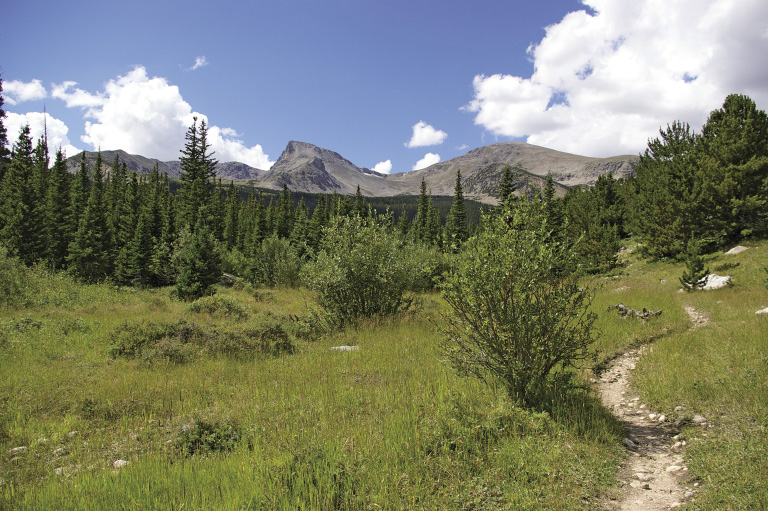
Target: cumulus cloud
[(429, 159), (148, 116), (383, 167), (16, 91), (605, 81), (425, 135), (199, 62), (38, 122)]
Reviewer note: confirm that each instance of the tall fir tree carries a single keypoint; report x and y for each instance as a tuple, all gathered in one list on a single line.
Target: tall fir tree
[(78, 197), (89, 255), (456, 224), (5, 153), (507, 186), (57, 227), (198, 171), (284, 220), (231, 218), (16, 200)]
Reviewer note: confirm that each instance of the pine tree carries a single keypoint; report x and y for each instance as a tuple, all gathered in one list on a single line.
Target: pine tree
[(198, 169), (231, 218), (402, 222), (695, 275), (318, 222), (419, 226), (89, 250), (284, 220), (141, 249), (198, 263), (57, 228), (553, 207), (507, 187), (78, 195), (16, 198), (456, 224), (5, 153)]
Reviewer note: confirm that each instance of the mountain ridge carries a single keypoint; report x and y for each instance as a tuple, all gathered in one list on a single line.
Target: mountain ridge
[(305, 167)]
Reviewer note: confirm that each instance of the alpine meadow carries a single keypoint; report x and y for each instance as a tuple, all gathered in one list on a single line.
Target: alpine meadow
[(192, 342)]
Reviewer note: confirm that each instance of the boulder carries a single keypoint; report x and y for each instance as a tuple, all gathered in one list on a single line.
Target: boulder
[(714, 281)]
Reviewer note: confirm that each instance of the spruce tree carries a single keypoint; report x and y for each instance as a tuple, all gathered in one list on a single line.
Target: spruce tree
[(507, 187), (456, 224), (694, 276), (419, 226), (284, 221), (198, 169), (78, 196), (57, 227), (231, 218), (198, 263), (318, 222), (16, 201), (5, 153), (89, 250)]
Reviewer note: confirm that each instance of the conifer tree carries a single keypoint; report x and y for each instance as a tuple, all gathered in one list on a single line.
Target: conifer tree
[(402, 222), (553, 207), (198, 263), (57, 231), (419, 226), (507, 186), (16, 196), (318, 222), (89, 250), (434, 231), (5, 153), (198, 169), (78, 195), (231, 218), (140, 251), (284, 220), (456, 224), (694, 276)]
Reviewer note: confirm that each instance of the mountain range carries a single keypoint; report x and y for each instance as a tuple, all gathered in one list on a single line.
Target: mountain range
[(308, 168)]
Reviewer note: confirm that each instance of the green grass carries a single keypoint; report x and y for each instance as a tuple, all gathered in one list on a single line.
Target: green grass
[(387, 427)]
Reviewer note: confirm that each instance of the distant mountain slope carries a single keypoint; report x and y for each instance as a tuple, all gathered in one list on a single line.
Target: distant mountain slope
[(306, 167), (143, 165), (481, 169)]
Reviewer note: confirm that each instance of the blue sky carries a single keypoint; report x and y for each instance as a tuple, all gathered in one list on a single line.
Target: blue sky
[(400, 81)]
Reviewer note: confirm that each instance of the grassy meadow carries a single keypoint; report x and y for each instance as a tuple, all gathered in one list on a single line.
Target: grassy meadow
[(239, 403)]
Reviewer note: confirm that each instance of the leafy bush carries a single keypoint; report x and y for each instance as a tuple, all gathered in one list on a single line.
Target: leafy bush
[(208, 437), (518, 315), (216, 304), (275, 263), (16, 288), (362, 270)]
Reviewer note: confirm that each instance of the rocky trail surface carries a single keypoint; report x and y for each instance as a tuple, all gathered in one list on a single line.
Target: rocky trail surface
[(654, 477)]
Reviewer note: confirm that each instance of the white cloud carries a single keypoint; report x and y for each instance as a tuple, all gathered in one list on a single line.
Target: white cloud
[(604, 83), (425, 135), (199, 62), (383, 167), (38, 122), (429, 159), (148, 116), (17, 91)]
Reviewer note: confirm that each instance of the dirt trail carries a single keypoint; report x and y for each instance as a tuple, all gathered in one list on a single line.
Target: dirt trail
[(654, 475)]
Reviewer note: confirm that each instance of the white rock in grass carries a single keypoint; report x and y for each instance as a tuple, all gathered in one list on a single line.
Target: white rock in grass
[(698, 419), (345, 348), (737, 250), (674, 468), (714, 281), (762, 311), (18, 450), (120, 463), (662, 418)]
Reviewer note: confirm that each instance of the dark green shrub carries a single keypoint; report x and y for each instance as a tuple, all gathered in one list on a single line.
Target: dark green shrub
[(275, 263), (218, 304), (363, 270), (208, 437), (695, 274), (198, 264), (518, 312)]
